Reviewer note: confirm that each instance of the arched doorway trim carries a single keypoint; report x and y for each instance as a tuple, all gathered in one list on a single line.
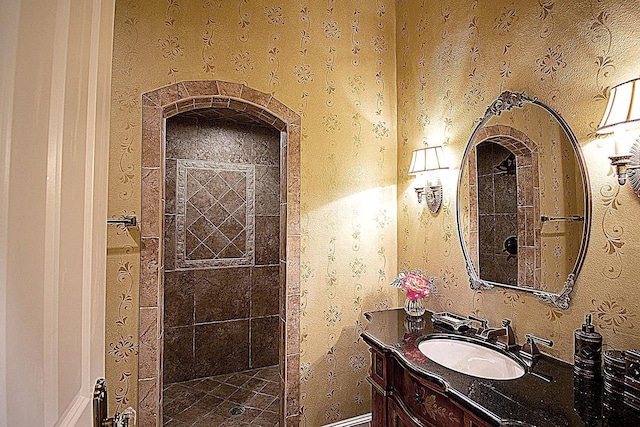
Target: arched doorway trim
[(158, 105)]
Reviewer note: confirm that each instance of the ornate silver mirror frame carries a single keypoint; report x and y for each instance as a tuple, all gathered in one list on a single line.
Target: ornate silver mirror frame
[(506, 101)]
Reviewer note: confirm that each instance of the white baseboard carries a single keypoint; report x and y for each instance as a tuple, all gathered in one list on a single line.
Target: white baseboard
[(360, 419)]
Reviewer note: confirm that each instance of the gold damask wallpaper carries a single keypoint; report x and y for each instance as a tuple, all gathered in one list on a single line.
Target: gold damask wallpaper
[(332, 62), (373, 80), (454, 59)]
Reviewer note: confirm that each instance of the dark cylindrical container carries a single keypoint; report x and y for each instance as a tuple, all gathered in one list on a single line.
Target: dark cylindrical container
[(588, 350), (632, 379), (587, 399), (614, 372)]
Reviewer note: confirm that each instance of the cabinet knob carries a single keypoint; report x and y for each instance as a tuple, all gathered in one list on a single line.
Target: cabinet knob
[(419, 399)]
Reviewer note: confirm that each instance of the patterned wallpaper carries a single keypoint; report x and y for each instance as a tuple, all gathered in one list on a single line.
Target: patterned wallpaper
[(454, 59), (339, 65), (333, 62)]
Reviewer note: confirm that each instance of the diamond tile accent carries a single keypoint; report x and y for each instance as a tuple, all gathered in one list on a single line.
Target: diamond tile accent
[(215, 214)]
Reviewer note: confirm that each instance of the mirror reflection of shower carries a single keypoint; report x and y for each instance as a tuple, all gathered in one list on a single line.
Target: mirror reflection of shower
[(497, 213)]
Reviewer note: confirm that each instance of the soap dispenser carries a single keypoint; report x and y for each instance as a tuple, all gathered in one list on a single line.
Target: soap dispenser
[(588, 350)]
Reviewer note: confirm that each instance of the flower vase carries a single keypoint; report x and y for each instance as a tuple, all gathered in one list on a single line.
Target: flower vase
[(414, 308)]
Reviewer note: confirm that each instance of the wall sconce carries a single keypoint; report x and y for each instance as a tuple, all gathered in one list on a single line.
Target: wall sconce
[(425, 160), (622, 114)]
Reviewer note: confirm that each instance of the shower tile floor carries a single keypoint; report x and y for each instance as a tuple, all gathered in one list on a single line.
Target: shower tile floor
[(212, 401)]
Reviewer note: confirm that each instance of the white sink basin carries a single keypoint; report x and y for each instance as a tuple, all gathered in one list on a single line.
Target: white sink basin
[(471, 359)]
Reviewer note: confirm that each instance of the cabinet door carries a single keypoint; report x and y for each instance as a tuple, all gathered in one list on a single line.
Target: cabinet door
[(378, 408), (397, 417), (426, 402)]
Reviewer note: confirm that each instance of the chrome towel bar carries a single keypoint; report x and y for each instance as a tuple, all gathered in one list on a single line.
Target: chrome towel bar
[(128, 221), (545, 218)]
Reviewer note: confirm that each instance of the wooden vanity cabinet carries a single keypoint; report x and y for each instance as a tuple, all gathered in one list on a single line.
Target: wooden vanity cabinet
[(403, 399)]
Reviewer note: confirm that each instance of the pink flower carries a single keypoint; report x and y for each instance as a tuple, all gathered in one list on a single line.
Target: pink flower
[(415, 283)]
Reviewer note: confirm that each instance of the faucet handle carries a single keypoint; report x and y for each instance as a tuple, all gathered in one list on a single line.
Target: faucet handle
[(510, 337), (529, 350)]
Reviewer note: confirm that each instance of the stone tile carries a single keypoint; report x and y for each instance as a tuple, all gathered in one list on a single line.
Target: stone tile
[(207, 384), (149, 271), (201, 88), (293, 324), (293, 264), (185, 105), (282, 111), (169, 242), (272, 388), (148, 406), (486, 228), (267, 190), (222, 294), (181, 132), (169, 422), (264, 291), (255, 96), (237, 105), (264, 143), (241, 396), (178, 397), (210, 420), (506, 193), (266, 419), (202, 102), (485, 194), (267, 240), (221, 347), (229, 89), (264, 341), (239, 379), (293, 207), (167, 95), (255, 384), (152, 137), (151, 209), (223, 390), (178, 297), (260, 401), (192, 414), (178, 356), (148, 365), (170, 171)]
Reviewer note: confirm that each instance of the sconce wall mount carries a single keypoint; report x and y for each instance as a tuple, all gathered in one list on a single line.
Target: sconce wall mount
[(623, 113), (423, 161), (432, 194)]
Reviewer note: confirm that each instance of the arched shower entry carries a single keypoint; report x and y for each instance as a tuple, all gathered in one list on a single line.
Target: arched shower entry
[(252, 105)]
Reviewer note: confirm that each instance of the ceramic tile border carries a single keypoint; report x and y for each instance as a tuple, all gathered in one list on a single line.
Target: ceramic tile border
[(168, 101)]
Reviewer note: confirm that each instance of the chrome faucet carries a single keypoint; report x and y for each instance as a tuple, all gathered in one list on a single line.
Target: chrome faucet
[(492, 334)]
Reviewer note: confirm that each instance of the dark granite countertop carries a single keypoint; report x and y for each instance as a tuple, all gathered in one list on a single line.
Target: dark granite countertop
[(547, 395)]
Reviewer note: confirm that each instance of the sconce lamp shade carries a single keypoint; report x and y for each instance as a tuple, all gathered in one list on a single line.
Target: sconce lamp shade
[(426, 159), (623, 110)]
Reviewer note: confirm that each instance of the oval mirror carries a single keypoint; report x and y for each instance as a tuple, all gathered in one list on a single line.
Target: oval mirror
[(523, 201)]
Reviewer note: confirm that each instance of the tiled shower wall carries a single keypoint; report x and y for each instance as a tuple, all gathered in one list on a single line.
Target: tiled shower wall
[(222, 224), (497, 213)]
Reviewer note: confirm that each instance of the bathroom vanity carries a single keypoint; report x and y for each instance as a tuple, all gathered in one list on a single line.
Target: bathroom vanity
[(409, 389)]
